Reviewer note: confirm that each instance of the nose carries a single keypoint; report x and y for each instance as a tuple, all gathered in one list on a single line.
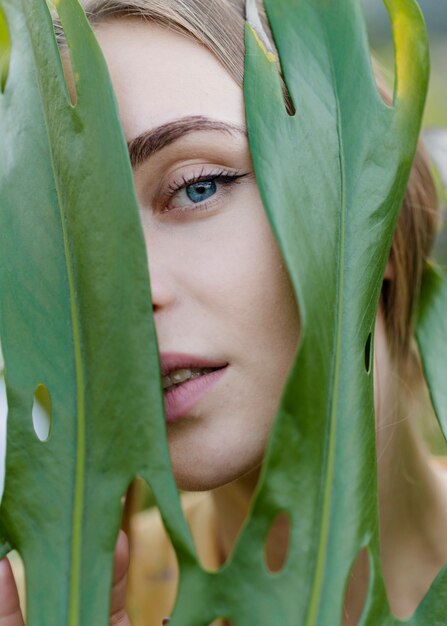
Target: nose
[(161, 297), (162, 263), (162, 285)]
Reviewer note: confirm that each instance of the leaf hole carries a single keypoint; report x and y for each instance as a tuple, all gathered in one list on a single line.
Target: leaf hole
[(276, 545), (368, 354), (357, 588), (41, 413), (5, 51), (139, 498), (288, 101)]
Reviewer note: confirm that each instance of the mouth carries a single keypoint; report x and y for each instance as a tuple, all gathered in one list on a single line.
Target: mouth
[(179, 377), (183, 389)]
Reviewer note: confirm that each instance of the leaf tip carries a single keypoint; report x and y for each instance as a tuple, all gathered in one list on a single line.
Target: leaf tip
[(255, 24)]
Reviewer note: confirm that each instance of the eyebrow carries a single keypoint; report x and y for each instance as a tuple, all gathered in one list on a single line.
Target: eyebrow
[(151, 141)]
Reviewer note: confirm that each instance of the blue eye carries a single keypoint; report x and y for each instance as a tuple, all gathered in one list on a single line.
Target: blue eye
[(198, 192)]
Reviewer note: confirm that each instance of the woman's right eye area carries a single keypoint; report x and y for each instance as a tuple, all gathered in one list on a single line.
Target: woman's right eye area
[(198, 192)]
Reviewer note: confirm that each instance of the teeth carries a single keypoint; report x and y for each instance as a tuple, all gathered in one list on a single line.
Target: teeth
[(166, 382), (180, 376)]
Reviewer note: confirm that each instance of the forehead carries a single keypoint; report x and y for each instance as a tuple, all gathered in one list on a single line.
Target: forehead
[(159, 75)]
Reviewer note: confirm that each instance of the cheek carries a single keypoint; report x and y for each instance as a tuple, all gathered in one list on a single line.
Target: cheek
[(237, 294), (246, 292), (240, 276), (263, 300), (239, 286)]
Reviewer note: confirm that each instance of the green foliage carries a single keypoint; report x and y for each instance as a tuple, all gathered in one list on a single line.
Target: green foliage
[(75, 316), (332, 178)]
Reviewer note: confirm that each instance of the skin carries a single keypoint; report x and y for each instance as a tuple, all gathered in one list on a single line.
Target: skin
[(220, 290)]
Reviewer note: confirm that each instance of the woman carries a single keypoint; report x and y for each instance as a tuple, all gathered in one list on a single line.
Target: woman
[(177, 75)]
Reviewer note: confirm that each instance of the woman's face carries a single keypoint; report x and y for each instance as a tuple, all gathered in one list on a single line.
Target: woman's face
[(219, 287)]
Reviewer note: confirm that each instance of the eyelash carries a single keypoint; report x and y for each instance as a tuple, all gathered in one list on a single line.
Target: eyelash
[(222, 177)]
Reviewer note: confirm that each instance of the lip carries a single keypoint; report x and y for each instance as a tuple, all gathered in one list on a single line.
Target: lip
[(170, 361), (182, 399)]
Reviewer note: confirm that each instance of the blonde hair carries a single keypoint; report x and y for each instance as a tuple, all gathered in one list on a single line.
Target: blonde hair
[(219, 25)]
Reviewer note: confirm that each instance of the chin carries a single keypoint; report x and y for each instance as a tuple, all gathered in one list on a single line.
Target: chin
[(201, 479), (199, 475), (205, 457)]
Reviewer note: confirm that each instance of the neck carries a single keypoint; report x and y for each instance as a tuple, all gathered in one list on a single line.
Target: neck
[(232, 503)]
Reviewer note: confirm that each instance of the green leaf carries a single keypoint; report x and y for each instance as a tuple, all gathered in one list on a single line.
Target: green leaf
[(332, 178), (75, 316)]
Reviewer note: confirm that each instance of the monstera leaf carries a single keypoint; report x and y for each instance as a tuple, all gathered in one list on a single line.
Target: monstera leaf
[(75, 319), (75, 316), (332, 177)]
